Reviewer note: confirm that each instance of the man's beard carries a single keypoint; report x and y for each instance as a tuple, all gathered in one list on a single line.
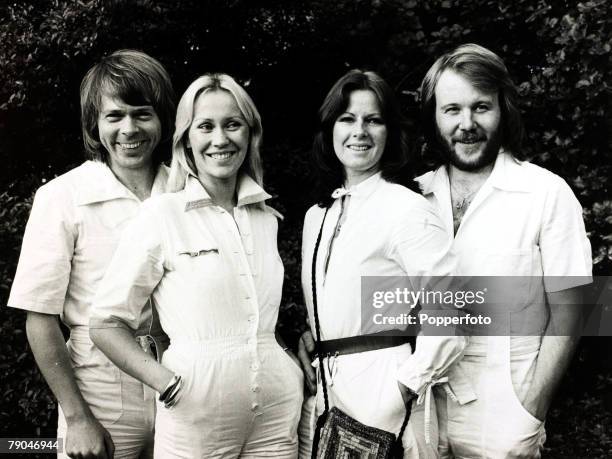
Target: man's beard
[(486, 157)]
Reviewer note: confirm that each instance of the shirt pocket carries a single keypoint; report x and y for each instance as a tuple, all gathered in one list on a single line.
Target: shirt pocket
[(197, 260), (510, 273)]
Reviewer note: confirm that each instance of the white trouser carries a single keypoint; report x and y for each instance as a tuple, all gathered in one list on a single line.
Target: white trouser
[(122, 404), (365, 387), (495, 425), (238, 399)]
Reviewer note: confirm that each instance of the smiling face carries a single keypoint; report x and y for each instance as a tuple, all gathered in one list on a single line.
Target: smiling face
[(129, 134), (218, 137), (359, 136), (468, 122)]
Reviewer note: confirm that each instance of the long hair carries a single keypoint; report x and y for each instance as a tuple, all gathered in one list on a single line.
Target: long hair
[(395, 162), (183, 163), (487, 72), (135, 78)]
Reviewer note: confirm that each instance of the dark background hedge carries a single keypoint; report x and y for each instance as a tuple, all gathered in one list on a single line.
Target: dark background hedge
[(288, 53)]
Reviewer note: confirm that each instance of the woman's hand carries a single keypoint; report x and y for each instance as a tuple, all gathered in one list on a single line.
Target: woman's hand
[(306, 347)]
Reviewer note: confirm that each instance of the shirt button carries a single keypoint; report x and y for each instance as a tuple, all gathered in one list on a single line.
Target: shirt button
[(254, 367), (255, 388), (251, 318), (254, 406)]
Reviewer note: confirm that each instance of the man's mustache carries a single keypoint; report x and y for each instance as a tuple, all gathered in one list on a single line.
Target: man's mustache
[(470, 137)]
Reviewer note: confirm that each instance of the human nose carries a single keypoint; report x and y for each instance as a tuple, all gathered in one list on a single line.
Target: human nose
[(467, 120), (219, 137), (359, 129), (128, 126)]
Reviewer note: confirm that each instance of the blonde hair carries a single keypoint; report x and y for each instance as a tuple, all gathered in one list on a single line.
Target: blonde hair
[(183, 163)]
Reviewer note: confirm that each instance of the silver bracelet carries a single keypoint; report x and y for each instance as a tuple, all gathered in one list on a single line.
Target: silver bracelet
[(173, 396), (163, 396)]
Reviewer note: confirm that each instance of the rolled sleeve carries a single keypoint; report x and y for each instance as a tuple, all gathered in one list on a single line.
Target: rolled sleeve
[(422, 248), (431, 361), (135, 270), (43, 271)]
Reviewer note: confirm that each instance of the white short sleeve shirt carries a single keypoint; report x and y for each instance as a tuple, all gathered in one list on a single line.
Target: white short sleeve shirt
[(73, 230), (524, 221)]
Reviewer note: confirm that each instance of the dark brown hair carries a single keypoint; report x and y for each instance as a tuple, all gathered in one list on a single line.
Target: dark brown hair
[(396, 158)]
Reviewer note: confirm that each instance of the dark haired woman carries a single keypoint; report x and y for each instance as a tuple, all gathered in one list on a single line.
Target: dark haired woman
[(370, 225)]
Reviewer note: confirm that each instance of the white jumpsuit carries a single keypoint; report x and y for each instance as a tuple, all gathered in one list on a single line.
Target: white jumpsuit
[(386, 230), (216, 283)]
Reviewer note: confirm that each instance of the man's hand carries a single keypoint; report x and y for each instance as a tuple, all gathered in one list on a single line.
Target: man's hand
[(536, 405), (306, 347), (87, 439)]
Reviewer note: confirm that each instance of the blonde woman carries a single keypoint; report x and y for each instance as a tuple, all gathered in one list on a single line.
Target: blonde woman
[(207, 255)]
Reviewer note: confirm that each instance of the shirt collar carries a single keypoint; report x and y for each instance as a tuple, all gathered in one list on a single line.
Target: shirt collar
[(506, 175), (99, 184), (362, 189), (248, 191), (509, 174)]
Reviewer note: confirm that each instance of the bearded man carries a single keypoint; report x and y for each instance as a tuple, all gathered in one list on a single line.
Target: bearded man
[(507, 218)]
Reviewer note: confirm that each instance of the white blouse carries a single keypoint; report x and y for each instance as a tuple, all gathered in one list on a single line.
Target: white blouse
[(386, 230)]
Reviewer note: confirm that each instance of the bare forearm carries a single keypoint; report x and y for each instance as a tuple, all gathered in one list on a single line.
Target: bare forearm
[(120, 347), (556, 350), (555, 355), (49, 349)]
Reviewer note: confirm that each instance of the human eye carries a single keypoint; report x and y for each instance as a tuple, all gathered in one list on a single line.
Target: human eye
[(234, 125), (346, 118), (205, 126), (113, 116), (451, 110), (376, 120), (481, 108), (145, 115)]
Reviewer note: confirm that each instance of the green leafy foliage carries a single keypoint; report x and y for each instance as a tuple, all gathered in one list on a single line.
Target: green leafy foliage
[(288, 54)]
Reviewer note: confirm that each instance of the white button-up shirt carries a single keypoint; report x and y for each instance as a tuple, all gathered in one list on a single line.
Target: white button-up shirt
[(524, 221), (386, 230), (74, 227), (209, 275)]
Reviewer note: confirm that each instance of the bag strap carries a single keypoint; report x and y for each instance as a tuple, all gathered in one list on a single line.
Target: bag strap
[(316, 315), (319, 352)]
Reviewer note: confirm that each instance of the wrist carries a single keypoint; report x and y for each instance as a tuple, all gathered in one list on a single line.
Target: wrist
[(171, 392), (80, 414)]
